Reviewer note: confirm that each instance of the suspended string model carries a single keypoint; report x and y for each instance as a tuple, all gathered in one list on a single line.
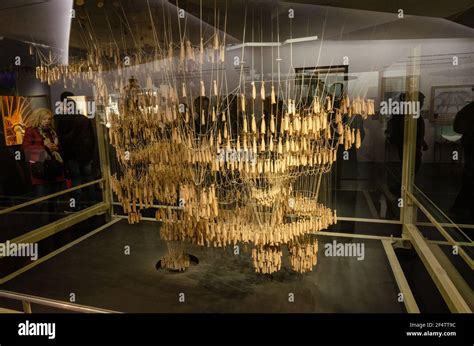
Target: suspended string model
[(227, 163)]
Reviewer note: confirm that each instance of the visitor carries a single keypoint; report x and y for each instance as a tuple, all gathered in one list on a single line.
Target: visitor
[(395, 134), (76, 136), (463, 207), (42, 152)]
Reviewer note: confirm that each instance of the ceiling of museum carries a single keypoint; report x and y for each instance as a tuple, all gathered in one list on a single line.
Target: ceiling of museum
[(128, 22)]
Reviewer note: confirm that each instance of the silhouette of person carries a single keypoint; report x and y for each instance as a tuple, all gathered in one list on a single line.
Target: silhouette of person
[(395, 133), (77, 139), (463, 207)]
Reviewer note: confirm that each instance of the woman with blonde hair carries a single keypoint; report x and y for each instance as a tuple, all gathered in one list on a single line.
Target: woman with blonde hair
[(42, 152)]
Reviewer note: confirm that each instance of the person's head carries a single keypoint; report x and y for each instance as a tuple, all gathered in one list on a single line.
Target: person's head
[(421, 98), (65, 95), (41, 118), (402, 97), (70, 107)]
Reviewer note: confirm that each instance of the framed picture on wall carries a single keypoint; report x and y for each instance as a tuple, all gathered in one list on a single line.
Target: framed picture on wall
[(392, 87), (321, 81), (16, 114), (448, 100)]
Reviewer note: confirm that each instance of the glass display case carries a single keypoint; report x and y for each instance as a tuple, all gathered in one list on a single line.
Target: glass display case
[(359, 199)]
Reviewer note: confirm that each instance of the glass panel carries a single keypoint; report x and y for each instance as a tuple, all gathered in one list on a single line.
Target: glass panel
[(21, 221), (35, 130), (364, 183), (446, 173), (456, 259), (436, 212)]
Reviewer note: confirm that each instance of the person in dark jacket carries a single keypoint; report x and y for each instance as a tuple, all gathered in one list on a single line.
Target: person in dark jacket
[(396, 130), (463, 207), (77, 138)]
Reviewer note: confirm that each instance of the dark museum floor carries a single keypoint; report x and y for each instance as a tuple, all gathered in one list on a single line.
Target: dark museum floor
[(100, 274)]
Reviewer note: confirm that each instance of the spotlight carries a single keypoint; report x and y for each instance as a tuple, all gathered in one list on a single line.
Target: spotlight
[(100, 3)]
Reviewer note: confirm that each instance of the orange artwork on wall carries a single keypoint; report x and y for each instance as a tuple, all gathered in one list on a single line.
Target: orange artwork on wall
[(15, 111)]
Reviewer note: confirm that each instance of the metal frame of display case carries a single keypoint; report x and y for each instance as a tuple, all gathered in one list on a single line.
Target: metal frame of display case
[(27, 300), (410, 232)]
